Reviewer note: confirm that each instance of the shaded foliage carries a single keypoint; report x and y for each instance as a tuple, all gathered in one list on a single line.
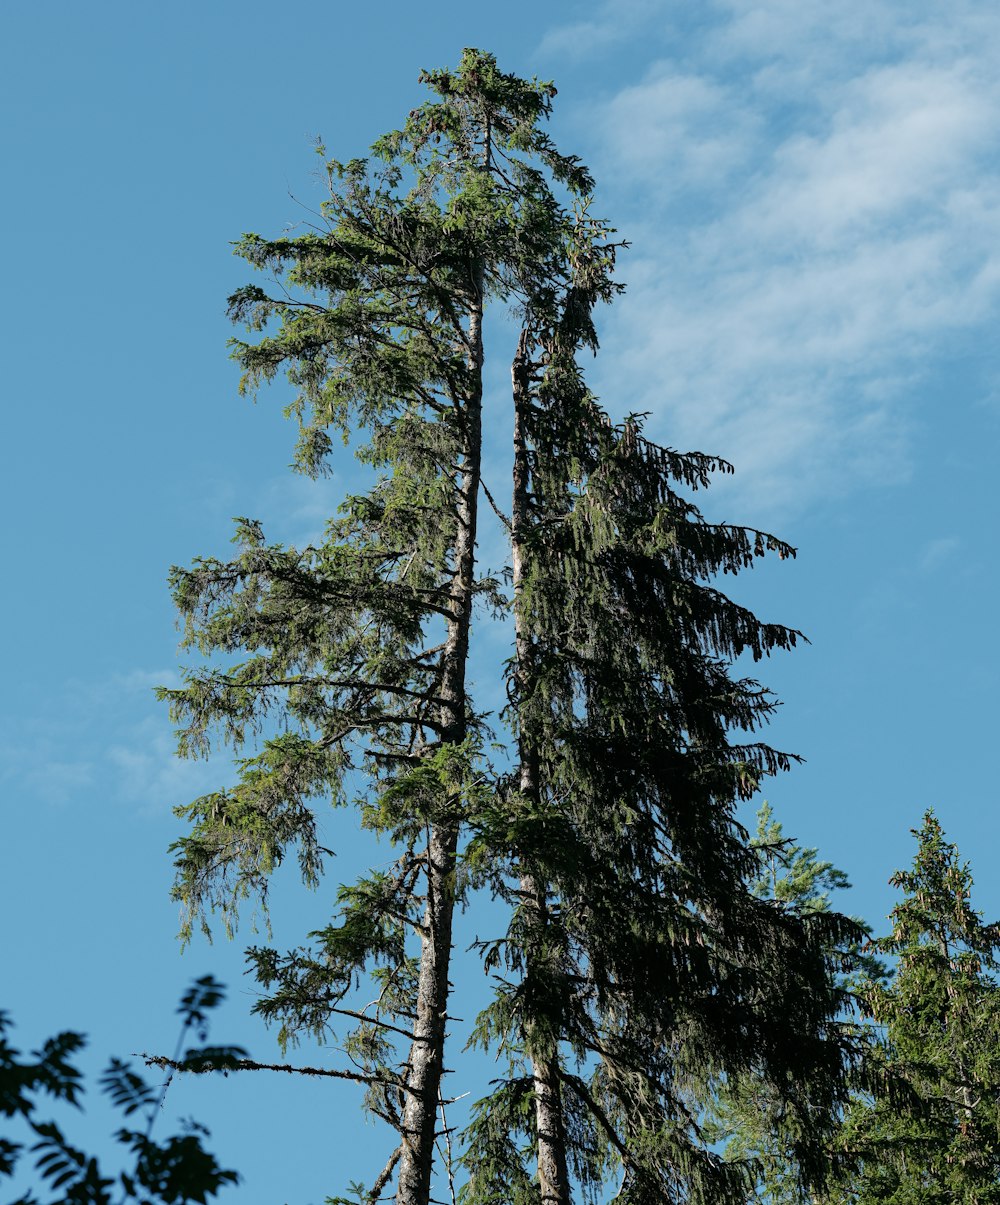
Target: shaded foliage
[(750, 1117), (640, 958)]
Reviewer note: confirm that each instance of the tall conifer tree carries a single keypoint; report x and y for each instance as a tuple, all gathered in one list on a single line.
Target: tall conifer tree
[(356, 650), (648, 970), (643, 969)]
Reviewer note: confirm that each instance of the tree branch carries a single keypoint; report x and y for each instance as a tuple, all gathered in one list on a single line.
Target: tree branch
[(225, 1066), (496, 509), (383, 1177)]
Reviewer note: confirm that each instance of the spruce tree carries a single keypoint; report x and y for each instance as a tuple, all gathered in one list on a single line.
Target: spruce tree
[(639, 970), (926, 1129), (647, 971)]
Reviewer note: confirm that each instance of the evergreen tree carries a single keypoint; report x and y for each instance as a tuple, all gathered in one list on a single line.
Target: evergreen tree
[(649, 971), (355, 651), (927, 1130), (751, 1118), (642, 971)]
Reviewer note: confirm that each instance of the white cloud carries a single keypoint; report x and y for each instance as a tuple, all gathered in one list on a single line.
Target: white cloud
[(612, 22), (896, 143), (678, 130), (938, 552), (108, 740), (807, 35), (813, 196)]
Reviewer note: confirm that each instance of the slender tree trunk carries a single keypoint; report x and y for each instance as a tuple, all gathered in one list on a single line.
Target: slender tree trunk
[(553, 1177), (426, 1061)]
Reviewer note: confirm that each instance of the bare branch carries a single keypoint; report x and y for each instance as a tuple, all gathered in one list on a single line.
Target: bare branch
[(384, 1175), (496, 509), (225, 1066)]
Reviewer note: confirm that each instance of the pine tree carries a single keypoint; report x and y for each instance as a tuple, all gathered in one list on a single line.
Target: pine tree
[(927, 1130), (641, 969)]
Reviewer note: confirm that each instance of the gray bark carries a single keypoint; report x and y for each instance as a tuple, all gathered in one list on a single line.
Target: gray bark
[(553, 1176), (426, 1059)]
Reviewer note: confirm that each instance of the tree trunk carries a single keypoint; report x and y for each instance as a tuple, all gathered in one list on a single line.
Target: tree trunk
[(426, 1061), (553, 1178), (419, 1115), (553, 1175)]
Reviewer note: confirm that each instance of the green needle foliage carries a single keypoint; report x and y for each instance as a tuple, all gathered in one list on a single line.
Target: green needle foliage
[(927, 1130), (640, 970), (347, 661), (751, 1118), (647, 972)]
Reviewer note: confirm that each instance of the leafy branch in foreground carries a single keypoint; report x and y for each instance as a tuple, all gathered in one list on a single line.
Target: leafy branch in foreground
[(177, 1171)]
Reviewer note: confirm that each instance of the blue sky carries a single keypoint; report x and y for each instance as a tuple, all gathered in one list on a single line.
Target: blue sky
[(813, 197)]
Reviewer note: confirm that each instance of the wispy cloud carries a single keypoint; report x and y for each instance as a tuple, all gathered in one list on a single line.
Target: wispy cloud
[(147, 775), (38, 767), (813, 194), (677, 130), (938, 552), (608, 24), (110, 741)]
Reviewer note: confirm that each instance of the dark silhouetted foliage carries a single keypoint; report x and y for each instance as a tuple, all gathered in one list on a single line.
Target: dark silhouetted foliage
[(177, 1171)]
